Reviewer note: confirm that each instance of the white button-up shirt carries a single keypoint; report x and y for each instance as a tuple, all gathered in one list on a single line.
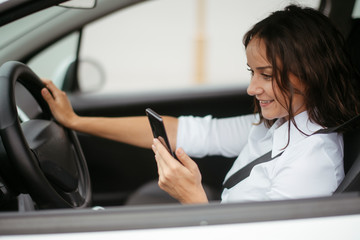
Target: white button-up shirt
[(310, 166)]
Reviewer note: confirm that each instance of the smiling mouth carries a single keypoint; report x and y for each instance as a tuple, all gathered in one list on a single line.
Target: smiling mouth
[(265, 102)]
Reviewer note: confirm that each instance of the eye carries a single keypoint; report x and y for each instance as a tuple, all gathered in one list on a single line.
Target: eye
[(266, 76)]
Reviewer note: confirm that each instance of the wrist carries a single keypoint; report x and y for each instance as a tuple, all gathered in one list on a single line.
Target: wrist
[(73, 122), (198, 198)]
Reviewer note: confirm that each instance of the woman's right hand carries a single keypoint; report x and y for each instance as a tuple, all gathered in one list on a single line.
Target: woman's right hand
[(182, 180), (59, 104)]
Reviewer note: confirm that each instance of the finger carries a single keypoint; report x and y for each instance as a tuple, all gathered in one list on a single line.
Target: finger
[(158, 157), (153, 147), (45, 81), (160, 167), (54, 90), (164, 154), (160, 170), (47, 96), (185, 159)]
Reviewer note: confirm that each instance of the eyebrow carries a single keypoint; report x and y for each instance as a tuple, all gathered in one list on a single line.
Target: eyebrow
[(261, 68)]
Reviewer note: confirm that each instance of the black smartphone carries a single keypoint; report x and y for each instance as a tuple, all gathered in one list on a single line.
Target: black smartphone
[(158, 129)]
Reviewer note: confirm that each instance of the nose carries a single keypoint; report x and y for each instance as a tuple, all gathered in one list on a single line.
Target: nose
[(254, 87)]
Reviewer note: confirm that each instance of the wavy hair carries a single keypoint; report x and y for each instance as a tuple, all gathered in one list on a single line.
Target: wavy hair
[(303, 42)]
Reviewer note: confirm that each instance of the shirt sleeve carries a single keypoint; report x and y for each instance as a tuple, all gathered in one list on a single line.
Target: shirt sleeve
[(201, 136)]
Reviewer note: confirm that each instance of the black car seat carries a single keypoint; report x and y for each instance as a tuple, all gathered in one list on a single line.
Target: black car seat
[(351, 182)]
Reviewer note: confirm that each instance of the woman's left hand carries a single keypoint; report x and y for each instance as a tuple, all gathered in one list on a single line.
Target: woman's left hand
[(181, 180)]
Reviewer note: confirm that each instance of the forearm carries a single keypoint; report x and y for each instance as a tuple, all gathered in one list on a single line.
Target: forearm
[(131, 130)]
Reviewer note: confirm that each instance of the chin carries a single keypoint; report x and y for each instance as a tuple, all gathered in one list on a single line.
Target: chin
[(269, 117)]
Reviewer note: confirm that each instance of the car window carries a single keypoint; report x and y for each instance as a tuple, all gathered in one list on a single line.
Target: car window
[(62, 54), (356, 11), (162, 44), (173, 44)]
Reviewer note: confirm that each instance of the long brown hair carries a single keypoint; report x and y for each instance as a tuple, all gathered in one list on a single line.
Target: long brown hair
[(303, 42)]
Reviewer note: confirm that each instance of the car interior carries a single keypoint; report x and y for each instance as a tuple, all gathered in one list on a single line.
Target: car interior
[(117, 171)]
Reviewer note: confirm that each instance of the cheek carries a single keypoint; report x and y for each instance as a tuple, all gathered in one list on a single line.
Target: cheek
[(282, 100), (278, 95), (299, 102)]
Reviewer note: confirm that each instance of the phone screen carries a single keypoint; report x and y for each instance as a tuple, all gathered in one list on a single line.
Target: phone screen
[(158, 129)]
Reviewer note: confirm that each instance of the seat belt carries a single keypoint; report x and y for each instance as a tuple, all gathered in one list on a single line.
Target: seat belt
[(244, 172)]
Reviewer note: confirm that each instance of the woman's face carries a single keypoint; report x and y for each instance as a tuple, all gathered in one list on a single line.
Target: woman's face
[(264, 89)]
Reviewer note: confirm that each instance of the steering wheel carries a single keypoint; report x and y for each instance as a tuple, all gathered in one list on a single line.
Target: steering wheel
[(46, 156)]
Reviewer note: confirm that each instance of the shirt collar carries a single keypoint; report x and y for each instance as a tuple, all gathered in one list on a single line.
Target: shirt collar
[(280, 132)]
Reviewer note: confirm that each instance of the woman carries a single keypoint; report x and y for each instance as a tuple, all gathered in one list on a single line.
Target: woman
[(300, 80)]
